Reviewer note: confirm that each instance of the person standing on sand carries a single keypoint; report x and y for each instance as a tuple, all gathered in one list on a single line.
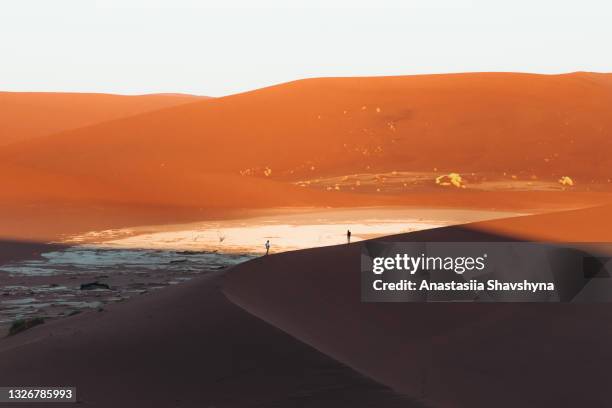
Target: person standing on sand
[(348, 236), (267, 247)]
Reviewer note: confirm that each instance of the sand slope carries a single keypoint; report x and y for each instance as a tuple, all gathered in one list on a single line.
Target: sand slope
[(185, 346), (247, 150), (522, 123), (447, 355), (27, 115)]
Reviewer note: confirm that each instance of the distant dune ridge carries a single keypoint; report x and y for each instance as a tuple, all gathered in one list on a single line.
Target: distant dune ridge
[(249, 149), (26, 115)]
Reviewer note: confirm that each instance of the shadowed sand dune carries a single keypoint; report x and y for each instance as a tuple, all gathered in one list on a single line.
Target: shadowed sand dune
[(186, 346), (445, 355), (189, 346), (27, 115), (249, 150)]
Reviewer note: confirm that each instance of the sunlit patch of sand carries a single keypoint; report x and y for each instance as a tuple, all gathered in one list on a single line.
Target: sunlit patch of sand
[(403, 181), (99, 236), (288, 231), (451, 179), (566, 181)]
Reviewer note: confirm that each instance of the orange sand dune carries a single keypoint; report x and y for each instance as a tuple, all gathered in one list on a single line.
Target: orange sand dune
[(26, 115), (443, 354), (39, 205), (516, 123), (242, 150)]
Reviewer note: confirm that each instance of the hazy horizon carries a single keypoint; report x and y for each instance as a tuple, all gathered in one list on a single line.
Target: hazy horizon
[(292, 80), (136, 47)]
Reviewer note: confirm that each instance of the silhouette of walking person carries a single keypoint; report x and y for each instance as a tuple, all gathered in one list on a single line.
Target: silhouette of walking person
[(348, 236), (267, 247)]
